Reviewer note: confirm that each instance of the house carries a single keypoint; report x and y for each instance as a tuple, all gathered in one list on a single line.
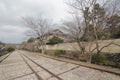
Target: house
[(60, 34)]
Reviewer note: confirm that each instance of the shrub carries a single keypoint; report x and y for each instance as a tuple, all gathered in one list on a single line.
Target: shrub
[(58, 52), (54, 40), (39, 51), (30, 40), (98, 58), (10, 49)]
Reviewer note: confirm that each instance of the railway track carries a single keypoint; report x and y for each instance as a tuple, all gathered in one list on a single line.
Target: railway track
[(103, 70), (73, 62), (5, 57), (38, 76), (52, 73), (45, 68)]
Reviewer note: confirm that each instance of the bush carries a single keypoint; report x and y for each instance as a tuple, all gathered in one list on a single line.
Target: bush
[(30, 40), (58, 52), (54, 40), (98, 58), (10, 49), (39, 51)]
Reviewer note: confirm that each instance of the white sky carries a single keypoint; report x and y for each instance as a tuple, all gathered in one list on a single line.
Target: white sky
[(11, 12)]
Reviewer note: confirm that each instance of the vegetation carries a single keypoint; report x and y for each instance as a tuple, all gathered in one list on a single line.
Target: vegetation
[(10, 49), (30, 40), (98, 58), (54, 40), (2, 48), (114, 26), (39, 51), (1, 43), (58, 52), (95, 25), (92, 22), (38, 27)]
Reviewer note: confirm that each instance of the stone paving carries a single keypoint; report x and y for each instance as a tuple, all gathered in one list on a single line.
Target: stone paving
[(14, 68)]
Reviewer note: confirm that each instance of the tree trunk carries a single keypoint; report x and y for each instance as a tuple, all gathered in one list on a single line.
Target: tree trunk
[(89, 59), (43, 49)]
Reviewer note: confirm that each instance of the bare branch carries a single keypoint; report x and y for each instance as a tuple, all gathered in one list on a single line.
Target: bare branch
[(116, 44), (39, 27), (106, 46)]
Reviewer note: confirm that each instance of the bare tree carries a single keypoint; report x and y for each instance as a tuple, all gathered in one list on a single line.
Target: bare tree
[(75, 30), (94, 14), (38, 28)]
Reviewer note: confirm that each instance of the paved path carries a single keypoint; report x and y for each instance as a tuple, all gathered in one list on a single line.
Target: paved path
[(22, 65)]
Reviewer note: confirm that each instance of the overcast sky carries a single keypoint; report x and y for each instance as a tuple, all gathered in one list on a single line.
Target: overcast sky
[(12, 29)]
